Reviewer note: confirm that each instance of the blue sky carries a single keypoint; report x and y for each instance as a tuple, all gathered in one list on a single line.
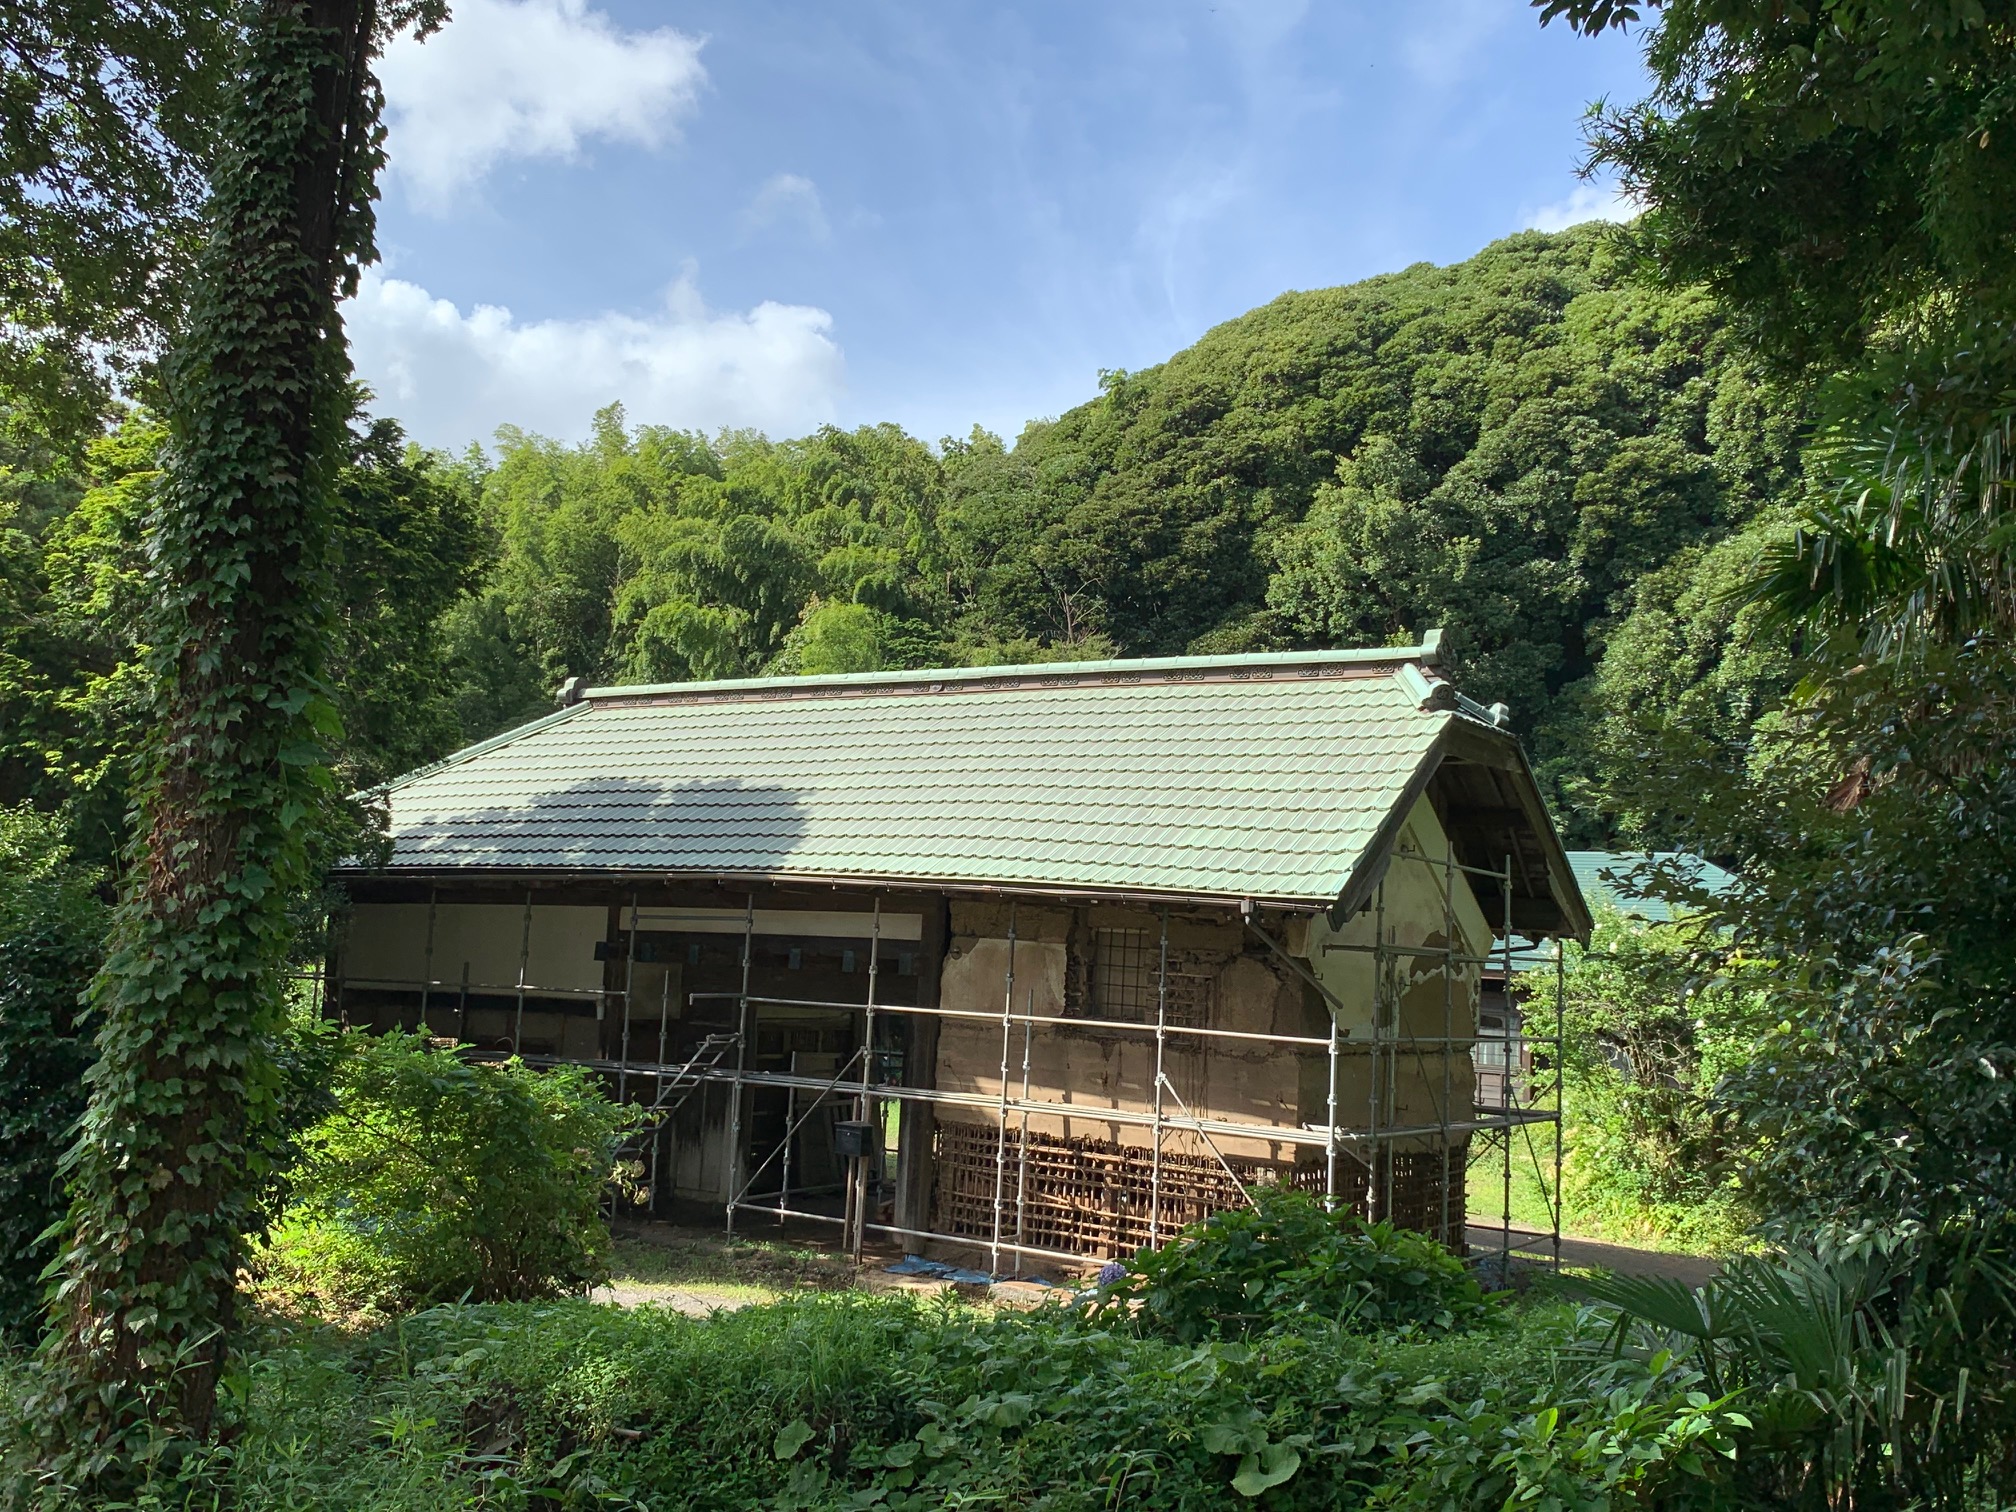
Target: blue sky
[(779, 215)]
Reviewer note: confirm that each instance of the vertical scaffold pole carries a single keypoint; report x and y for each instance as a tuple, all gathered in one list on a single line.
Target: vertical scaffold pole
[(1560, 1085), (1330, 1137), (1001, 1135), (524, 958), (658, 1130), (427, 960), (1161, 1076), (629, 982), (1448, 1021), (784, 1178), (339, 982), (664, 1017), (741, 1063), (863, 1181), (1505, 1087), (1375, 1206), (1022, 1150)]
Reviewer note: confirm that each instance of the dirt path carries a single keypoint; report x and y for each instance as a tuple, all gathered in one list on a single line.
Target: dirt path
[(694, 1301), (1594, 1254)]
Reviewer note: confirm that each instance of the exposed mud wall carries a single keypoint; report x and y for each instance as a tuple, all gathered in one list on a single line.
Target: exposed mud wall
[(1212, 968), (1220, 975), (1415, 1074)]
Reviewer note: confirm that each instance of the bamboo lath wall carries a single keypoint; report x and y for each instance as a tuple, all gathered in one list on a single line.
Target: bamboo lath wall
[(1098, 1199)]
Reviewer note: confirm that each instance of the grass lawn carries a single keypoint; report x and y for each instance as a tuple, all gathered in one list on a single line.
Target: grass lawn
[(695, 1271)]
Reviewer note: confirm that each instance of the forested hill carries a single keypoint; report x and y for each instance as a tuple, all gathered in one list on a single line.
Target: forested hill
[(1506, 447), (1500, 447)]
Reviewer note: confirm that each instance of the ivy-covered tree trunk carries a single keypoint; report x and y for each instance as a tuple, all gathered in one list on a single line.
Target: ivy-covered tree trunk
[(176, 1146)]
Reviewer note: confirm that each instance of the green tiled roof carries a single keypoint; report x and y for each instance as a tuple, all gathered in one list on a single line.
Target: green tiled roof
[(1605, 877), (1264, 777)]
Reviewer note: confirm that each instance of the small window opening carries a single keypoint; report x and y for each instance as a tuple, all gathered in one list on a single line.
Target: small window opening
[(1124, 970)]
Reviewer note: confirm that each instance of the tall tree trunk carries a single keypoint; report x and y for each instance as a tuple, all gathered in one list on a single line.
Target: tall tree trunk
[(175, 1151)]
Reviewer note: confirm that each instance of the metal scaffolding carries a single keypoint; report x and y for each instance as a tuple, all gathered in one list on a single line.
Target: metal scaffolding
[(1496, 1140)]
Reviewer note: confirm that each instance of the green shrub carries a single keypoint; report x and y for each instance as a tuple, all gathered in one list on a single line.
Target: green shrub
[(436, 1178), (52, 932), (1285, 1259)]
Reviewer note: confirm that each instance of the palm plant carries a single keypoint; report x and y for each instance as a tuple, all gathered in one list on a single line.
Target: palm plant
[(1873, 1367), (1913, 545)]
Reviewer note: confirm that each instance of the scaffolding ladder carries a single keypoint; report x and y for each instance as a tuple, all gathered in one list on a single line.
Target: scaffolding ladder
[(674, 1088)]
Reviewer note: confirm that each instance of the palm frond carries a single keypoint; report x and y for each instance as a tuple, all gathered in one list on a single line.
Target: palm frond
[(1913, 542), (1660, 1301)]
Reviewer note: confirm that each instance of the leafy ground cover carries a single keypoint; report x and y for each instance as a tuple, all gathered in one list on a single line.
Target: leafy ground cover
[(853, 1399), (1282, 1355)]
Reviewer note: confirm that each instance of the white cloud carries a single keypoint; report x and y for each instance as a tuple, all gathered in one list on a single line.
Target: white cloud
[(454, 377), (528, 78), (1589, 202), (787, 196)]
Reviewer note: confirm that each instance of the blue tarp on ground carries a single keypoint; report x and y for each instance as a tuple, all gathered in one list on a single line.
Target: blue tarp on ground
[(938, 1270)]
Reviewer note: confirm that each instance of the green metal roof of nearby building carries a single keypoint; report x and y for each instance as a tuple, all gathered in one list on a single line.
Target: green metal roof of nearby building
[(1268, 777), (1607, 878)]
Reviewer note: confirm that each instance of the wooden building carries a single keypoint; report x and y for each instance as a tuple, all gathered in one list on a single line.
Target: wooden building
[(1046, 960)]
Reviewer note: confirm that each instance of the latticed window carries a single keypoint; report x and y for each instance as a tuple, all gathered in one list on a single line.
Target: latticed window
[(1124, 970), (1117, 974)]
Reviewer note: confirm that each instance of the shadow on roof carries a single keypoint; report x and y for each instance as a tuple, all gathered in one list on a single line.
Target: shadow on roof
[(718, 824)]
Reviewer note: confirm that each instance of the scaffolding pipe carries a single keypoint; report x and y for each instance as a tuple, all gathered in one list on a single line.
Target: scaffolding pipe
[(1374, 1207), (1512, 1053), (784, 1170), (1001, 1138), (427, 966), (1330, 1144), (1560, 1087), (629, 983), (1053, 1021), (792, 1124), (861, 1195), (658, 1129), (1310, 1135), (1161, 1047), (1197, 1124), (1448, 1023), (1067, 1257), (741, 1062), (524, 965), (1022, 1152), (1050, 1020)]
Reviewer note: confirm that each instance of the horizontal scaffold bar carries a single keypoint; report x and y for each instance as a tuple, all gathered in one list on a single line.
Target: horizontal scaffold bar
[(1310, 1135)]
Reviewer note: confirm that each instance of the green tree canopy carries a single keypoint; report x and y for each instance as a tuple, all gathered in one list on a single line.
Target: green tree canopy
[(407, 553), (1828, 168), (1503, 447), (108, 110)]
